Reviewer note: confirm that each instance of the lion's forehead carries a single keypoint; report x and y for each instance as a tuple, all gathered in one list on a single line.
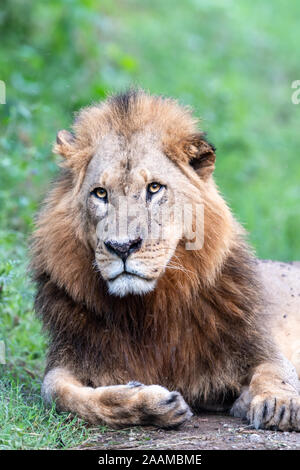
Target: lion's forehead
[(128, 164)]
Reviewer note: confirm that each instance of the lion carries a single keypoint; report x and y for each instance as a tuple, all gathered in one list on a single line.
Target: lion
[(152, 317)]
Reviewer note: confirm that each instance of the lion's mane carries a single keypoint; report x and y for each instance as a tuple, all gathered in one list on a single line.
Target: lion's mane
[(199, 333)]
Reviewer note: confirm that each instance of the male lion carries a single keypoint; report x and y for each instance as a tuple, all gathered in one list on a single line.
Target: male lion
[(132, 315)]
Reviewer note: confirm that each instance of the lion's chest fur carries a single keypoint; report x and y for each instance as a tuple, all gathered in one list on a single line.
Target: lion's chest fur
[(175, 350), (201, 343)]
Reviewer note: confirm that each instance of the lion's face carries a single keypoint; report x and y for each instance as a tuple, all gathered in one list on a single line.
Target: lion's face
[(134, 197), (139, 166)]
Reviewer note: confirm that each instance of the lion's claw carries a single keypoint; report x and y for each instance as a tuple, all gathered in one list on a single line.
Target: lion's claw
[(273, 413), (134, 384)]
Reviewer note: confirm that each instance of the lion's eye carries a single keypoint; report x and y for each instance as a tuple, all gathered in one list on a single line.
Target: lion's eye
[(100, 193), (154, 187)]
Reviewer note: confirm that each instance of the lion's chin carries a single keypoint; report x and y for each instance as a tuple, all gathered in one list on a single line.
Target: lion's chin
[(126, 284)]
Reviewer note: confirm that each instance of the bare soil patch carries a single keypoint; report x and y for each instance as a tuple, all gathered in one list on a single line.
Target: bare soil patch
[(205, 432)]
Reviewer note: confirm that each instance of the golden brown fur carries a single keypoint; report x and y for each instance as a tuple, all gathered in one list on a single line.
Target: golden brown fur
[(200, 331)]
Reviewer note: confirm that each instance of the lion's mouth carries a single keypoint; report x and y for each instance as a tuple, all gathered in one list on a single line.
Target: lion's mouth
[(130, 274), (130, 283)]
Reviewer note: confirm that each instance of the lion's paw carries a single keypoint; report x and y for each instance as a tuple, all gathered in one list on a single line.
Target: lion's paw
[(275, 413), (138, 404), (241, 406), (163, 408)]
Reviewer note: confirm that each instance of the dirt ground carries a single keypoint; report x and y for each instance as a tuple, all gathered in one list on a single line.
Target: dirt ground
[(208, 431)]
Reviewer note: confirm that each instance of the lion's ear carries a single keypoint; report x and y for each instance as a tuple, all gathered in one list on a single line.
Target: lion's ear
[(64, 143), (201, 155)]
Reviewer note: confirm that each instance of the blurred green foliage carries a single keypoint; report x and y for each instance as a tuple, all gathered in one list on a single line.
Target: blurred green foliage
[(234, 62)]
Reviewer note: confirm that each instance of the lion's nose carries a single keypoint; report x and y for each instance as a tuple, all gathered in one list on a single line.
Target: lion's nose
[(123, 250)]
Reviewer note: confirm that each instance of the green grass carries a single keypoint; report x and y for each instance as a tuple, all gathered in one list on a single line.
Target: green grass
[(234, 62), (26, 424)]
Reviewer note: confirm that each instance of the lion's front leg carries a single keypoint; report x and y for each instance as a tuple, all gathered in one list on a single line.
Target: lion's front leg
[(272, 399), (117, 405)]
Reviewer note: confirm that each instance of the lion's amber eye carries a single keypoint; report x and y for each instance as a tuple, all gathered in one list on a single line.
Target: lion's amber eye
[(154, 187), (101, 193)]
